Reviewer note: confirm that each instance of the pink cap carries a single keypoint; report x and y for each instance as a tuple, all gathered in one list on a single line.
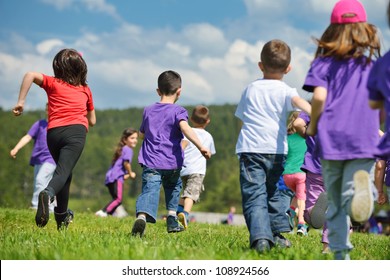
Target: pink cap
[(348, 7)]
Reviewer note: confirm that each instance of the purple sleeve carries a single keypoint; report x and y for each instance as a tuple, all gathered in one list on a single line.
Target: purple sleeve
[(317, 75), (127, 154), (181, 115), (33, 131)]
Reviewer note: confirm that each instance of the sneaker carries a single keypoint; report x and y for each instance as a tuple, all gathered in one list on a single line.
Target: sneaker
[(318, 212), (101, 213), (183, 219), (63, 219), (362, 202), (139, 227), (291, 218), (42, 215), (173, 225), (261, 246), (302, 229), (281, 241)]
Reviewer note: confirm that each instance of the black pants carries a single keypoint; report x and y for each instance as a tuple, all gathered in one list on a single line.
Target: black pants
[(66, 144)]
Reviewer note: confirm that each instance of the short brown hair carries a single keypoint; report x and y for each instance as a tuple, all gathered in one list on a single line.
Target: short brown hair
[(169, 82), (275, 56), (200, 115)]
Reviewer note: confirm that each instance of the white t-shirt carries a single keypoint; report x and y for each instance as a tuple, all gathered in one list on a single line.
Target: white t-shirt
[(264, 108), (194, 161)]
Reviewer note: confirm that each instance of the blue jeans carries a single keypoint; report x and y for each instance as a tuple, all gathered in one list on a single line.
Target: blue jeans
[(152, 179), (264, 213)]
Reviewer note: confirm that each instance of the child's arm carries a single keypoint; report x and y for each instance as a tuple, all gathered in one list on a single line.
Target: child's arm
[(22, 142), (318, 103), (28, 79), (191, 135), (91, 116), (300, 127), (302, 104), (127, 166)]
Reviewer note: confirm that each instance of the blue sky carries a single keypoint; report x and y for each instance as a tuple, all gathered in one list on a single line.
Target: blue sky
[(213, 44)]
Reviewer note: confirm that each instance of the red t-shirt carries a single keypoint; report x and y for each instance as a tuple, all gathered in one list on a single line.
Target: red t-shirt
[(67, 104)]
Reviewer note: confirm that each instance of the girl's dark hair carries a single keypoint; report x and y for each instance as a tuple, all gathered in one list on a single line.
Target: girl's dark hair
[(349, 40), (169, 82), (118, 151), (69, 66)]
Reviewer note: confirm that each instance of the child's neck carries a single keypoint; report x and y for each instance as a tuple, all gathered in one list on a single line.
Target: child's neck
[(171, 99), (273, 76), (199, 126)]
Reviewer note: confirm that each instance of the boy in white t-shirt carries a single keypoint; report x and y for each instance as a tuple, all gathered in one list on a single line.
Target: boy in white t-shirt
[(194, 166), (262, 147)]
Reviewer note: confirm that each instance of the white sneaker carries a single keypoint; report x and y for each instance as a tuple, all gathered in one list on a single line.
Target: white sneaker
[(362, 203), (101, 213)]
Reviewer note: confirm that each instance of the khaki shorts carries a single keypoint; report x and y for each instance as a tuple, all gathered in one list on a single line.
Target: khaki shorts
[(193, 186)]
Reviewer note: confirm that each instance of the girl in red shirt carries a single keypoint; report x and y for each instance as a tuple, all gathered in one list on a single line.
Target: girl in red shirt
[(70, 112)]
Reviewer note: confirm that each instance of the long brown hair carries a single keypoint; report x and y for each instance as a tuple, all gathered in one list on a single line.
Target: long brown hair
[(350, 40), (118, 151), (70, 67), (290, 127)]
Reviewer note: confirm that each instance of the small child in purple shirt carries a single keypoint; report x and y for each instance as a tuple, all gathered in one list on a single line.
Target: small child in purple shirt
[(119, 171), (41, 159), (161, 155), (346, 127)]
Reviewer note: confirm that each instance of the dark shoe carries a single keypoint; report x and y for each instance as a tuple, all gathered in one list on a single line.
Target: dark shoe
[(281, 241), (261, 246), (139, 228), (291, 218), (42, 215), (317, 214), (173, 225), (63, 219)]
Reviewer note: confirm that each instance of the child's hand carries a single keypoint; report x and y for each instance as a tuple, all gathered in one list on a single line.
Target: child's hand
[(382, 198), (206, 153), (17, 110), (132, 175), (311, 130)]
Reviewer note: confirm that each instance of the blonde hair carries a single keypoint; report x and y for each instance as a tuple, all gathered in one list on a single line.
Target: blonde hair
[(293, 116), (351, 40)]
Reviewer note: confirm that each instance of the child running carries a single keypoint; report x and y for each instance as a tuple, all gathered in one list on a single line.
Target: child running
[(194, 166), (161, 155), (346, 127), (262, 147), (294, 177), (119, 171), (71, 110)]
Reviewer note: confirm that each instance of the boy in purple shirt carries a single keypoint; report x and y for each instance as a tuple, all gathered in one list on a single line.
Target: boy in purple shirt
[(41, 159), (161, 156)]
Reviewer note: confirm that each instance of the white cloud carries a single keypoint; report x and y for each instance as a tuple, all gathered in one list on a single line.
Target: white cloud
[(48, 45)]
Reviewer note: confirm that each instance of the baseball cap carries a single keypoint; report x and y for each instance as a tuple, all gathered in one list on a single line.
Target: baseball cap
[(343, 7)]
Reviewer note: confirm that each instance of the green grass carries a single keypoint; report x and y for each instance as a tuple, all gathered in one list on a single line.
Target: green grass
[(93, 238)]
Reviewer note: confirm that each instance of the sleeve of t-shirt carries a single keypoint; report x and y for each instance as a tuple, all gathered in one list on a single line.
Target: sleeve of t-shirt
[(181, 115), (90, 105), (373, 83), (142, 127), (127, 154), (47, 82), (317, 75), (241, 106), (33, 131)]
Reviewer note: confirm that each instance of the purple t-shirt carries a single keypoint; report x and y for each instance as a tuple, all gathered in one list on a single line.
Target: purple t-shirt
[(379, 90), (117, 170), (312, 162), (40, 153), (348, 127), (161, 147)]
